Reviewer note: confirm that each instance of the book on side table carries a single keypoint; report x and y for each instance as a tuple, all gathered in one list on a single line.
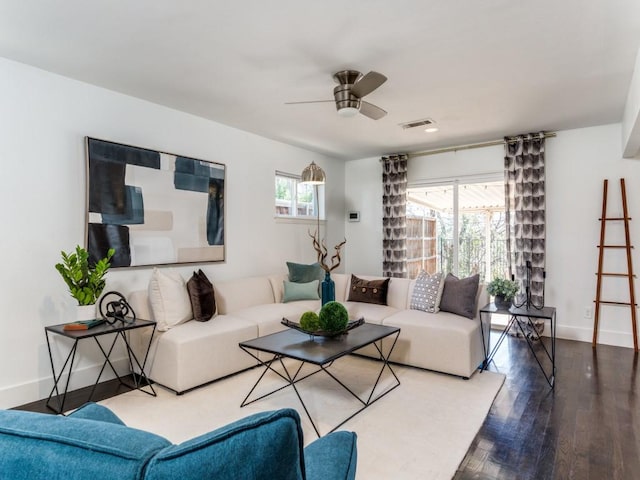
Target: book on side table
[(84, 324)]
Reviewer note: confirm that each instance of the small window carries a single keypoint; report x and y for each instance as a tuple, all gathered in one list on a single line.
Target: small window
[(294, 199)]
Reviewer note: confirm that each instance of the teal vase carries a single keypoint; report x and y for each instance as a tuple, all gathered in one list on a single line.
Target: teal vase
[(328, 289)]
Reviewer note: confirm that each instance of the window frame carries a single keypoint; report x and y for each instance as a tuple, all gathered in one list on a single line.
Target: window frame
[(317, 199)]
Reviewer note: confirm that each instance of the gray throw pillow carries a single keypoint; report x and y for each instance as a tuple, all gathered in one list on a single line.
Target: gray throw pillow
[(427, 292), (459, 295)]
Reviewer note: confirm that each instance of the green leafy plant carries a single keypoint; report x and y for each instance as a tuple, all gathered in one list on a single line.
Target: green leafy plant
[(333, 317), (503, 287), (86, 282), (310, 321)]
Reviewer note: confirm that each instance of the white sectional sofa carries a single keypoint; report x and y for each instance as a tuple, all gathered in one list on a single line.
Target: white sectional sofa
[(195, 353)]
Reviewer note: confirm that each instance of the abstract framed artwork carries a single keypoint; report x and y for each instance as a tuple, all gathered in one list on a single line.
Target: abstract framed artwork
[(153, 208)]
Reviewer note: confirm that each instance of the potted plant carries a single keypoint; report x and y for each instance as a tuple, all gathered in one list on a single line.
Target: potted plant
[(503, 290), (86, 282)]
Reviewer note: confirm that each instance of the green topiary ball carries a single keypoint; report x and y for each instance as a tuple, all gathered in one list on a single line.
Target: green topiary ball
[(310, 321), (333, 317)]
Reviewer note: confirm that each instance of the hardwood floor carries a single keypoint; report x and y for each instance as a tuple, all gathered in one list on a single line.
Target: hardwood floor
[(77, 398), (587, 429)]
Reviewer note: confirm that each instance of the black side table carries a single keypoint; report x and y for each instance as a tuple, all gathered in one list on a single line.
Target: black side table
[(118, 330), (528, 315)]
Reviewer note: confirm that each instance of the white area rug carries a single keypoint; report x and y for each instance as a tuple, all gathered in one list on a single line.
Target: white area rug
[(420, 430)]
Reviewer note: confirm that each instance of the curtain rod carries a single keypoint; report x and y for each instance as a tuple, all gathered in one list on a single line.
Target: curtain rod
[(470, 146)]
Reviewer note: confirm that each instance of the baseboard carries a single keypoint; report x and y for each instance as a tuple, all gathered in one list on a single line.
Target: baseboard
[(584, 334), (21, 394)]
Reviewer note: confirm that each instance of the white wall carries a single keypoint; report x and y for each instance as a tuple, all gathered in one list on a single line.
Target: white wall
[(44, 120), (363, 193), (577, 162), (631, 116)]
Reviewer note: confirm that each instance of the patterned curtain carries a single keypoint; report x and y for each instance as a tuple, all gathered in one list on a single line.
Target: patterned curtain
[(525, 212), (394, 215)]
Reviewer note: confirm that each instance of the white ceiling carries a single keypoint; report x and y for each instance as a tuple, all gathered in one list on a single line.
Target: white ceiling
[(482, 69)]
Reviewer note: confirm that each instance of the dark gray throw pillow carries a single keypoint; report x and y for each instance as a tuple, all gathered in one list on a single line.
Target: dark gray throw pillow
[(459, 295), (203, 300)]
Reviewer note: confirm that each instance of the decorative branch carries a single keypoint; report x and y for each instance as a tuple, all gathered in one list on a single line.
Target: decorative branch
[(337, 255), (321, 249)]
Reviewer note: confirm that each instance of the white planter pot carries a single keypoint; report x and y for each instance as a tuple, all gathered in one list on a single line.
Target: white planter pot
[(86, 312)]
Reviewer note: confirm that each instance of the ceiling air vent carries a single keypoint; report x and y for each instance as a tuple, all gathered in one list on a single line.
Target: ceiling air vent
[(417, 123)]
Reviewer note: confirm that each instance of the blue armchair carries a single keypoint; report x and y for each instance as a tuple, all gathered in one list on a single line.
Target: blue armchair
[(93, 443)]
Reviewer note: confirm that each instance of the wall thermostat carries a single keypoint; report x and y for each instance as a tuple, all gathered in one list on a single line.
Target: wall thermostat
[(354, 216)]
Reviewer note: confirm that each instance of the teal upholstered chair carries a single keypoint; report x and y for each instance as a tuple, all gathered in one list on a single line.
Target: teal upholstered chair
[(93, 443)]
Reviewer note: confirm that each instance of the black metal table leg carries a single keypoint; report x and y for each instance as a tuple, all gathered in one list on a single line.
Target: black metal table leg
[(56, 378), (292, 380), (118, 331)]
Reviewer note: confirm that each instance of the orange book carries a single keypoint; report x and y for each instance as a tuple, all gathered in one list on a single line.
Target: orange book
[(84, 325)]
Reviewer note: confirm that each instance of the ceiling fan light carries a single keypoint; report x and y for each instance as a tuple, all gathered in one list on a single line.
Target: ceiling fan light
[(313, 175), (348, 112)]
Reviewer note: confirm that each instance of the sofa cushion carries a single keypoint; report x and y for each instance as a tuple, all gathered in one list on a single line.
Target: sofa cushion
[(300, 291), (341, 282), (38, 446), (169, 299), (427, 292), (268, 317), (196, 353), (266, 445), (442, 341), (371, 312), (368, 291), (459, 295), (233, 295)]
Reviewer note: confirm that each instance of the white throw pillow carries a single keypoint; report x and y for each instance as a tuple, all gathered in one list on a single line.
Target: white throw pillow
[(169, 299), (427, 292)]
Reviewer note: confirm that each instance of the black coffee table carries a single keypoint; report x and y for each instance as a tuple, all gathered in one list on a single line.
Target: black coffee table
[(321, 352)]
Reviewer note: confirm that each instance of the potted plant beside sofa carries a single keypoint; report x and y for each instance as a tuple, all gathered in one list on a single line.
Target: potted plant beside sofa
[(504, 291), (85, 281)]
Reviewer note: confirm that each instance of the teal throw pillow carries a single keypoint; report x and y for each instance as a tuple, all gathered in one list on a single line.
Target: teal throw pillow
[(301, 273), (300, 291)]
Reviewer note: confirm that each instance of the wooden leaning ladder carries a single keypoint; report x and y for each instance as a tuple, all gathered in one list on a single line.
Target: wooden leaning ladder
[(629, 274)]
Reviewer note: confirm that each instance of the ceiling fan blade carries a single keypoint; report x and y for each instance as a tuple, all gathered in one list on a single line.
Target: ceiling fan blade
[(371, 111), (368, 84), (310, 101)]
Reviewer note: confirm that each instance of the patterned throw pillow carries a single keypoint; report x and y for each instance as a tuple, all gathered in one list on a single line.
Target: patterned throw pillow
[(427, 292)]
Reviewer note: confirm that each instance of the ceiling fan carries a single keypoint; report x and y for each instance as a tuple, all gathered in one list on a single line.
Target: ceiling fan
[(352, 87)]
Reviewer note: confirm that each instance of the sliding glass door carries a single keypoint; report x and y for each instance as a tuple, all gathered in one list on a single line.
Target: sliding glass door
[(457, 226)]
